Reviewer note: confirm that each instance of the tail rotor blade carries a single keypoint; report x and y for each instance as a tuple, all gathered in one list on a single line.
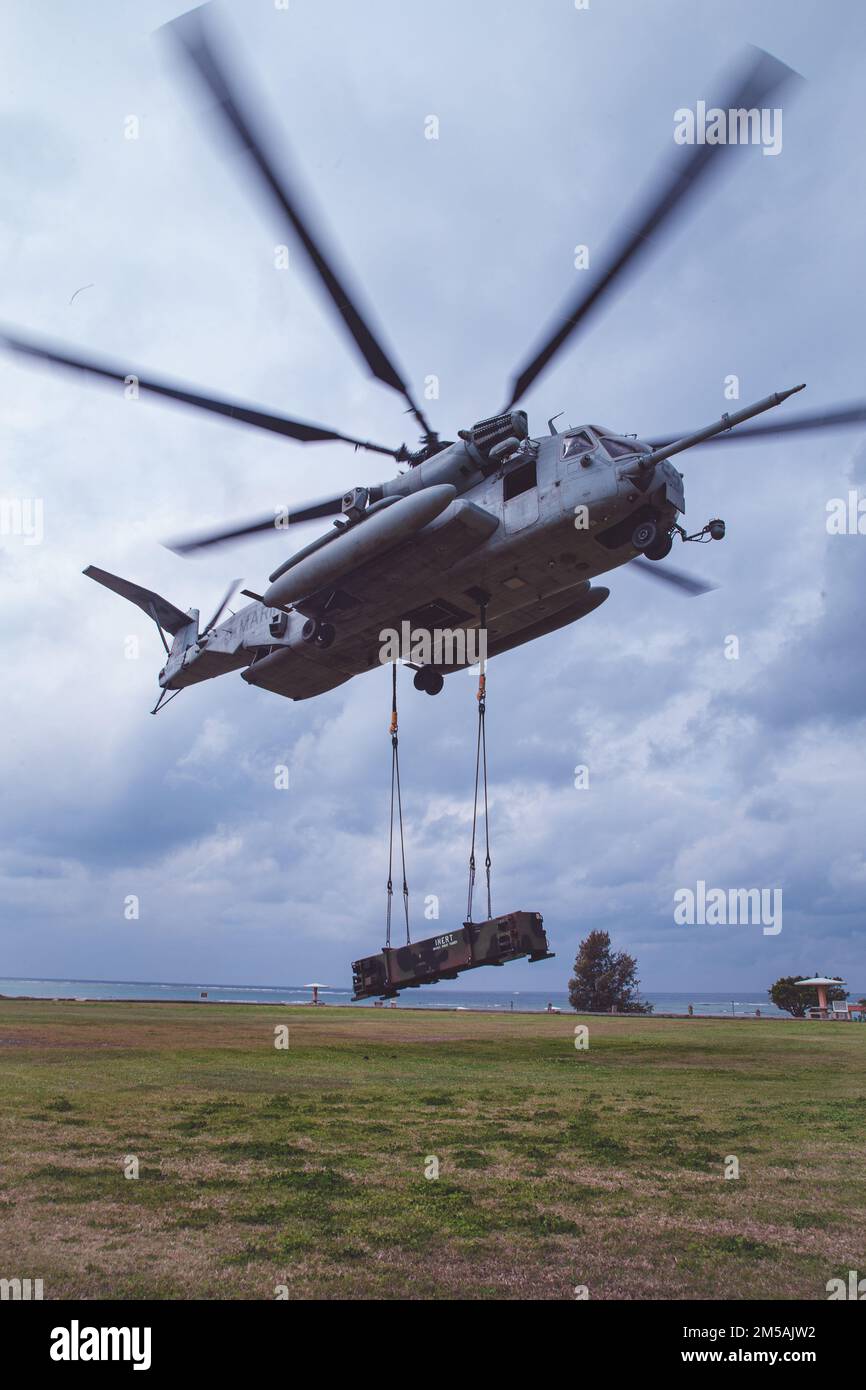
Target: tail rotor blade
[(223, 604)]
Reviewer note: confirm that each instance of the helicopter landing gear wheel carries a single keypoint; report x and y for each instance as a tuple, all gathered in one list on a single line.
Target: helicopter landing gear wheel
[(660, 547), (320, 634), (644, 535), (429, 680)]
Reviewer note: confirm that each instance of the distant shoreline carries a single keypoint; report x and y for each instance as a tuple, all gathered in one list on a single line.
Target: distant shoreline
[(557, 1012), (529, 1001), (339, 989)]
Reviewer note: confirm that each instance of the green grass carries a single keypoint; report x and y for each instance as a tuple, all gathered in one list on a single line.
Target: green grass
[(305, 1167)]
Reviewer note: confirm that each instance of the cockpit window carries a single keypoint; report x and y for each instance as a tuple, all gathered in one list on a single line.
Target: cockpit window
[(619, 448), (575, 444)]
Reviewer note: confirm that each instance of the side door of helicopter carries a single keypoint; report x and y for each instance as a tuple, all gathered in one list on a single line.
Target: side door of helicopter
[(520, 494)]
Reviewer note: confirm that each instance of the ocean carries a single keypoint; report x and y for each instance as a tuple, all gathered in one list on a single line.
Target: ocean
[(737, 1003)]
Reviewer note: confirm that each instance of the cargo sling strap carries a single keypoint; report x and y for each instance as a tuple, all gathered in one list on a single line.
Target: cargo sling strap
[(481, 768), (395, 787)]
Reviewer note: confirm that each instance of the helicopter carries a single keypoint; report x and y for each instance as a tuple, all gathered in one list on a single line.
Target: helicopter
[(498, 531)]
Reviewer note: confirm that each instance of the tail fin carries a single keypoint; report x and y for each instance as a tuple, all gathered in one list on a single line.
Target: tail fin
[(163, 613)]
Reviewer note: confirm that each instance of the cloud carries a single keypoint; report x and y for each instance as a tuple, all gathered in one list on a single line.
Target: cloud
[(733, 771)]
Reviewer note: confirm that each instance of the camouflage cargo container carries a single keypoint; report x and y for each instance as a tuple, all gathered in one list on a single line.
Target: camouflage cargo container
[(443, 957)]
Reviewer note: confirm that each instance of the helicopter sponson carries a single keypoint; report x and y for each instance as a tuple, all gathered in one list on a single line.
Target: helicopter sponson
[(388, 522)]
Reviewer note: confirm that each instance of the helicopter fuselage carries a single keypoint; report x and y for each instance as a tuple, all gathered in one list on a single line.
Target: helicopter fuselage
[(521, 540)]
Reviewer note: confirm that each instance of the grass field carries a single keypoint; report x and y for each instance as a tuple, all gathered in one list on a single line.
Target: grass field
[(305, 1167)]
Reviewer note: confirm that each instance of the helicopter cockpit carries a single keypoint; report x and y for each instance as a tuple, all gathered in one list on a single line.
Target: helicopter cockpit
[(578, 443), (620, 448)]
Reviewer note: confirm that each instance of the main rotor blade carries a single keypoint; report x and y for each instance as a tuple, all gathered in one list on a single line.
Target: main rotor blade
[(762, 79), (305, 433), (194, 34), (685, 583), (835, 419), (274, 521), (222, 605)]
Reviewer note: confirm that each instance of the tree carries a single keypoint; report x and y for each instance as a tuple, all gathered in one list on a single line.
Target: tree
[(604, 979), (794, 999)]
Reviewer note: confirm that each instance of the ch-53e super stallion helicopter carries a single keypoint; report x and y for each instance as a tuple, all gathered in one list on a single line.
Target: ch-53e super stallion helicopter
[(497, 527)]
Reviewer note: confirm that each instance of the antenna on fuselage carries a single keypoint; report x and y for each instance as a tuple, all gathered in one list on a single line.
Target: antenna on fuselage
[(551, 420)]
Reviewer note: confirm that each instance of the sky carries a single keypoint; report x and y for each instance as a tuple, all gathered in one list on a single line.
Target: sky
[(743, 772)]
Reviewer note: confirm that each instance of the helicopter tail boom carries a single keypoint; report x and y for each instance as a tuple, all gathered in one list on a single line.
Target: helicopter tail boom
[(183, 627), (164, 614)]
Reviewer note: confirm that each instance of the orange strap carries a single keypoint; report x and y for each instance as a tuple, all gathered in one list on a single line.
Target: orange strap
[(393, 729)]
